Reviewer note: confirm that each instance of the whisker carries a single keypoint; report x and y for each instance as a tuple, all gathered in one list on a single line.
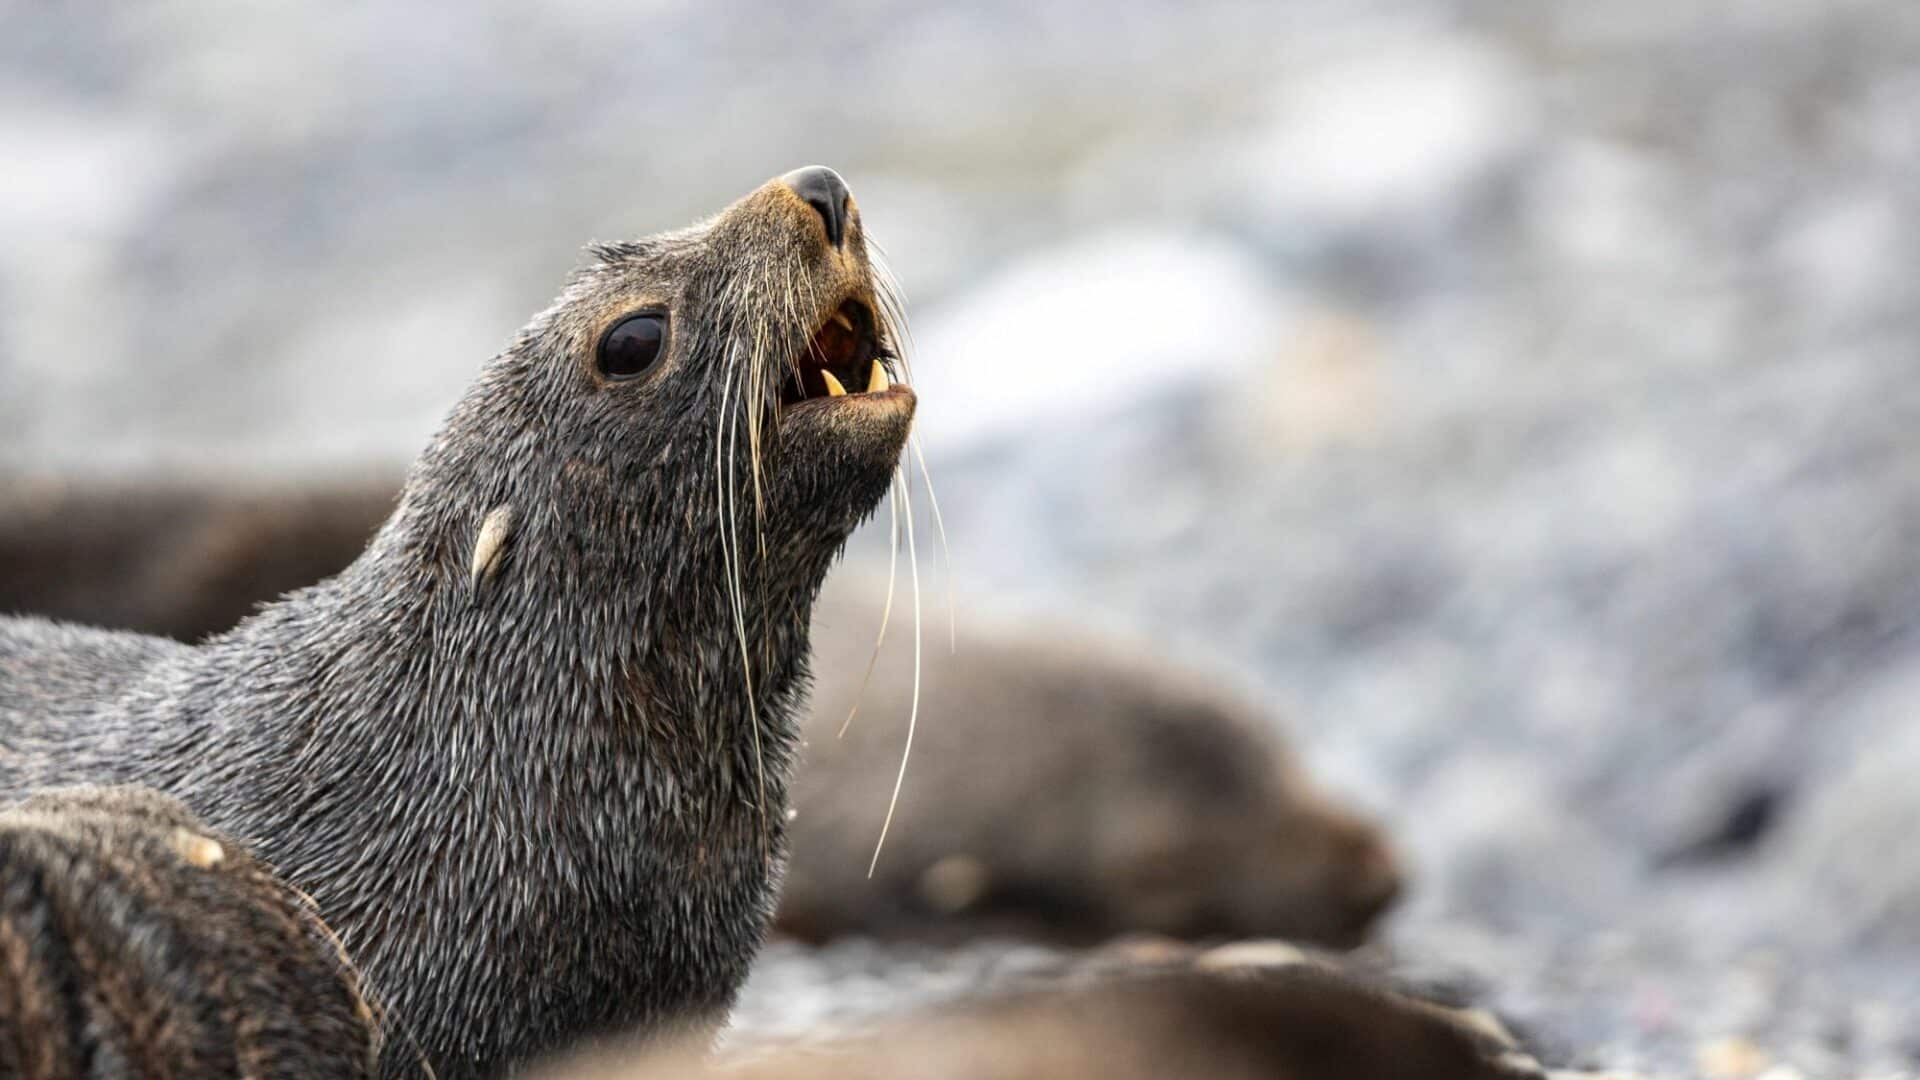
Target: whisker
[(757, 384), (946, 553), (740, 626), (761, 374), (913, 713), (892, 298), (765, 365), (724, 444), (886, 612)]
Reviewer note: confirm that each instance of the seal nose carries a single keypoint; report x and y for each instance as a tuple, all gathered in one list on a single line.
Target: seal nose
[(822, 189)]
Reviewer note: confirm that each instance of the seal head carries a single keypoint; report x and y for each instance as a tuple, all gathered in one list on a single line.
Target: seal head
[(737, 376)]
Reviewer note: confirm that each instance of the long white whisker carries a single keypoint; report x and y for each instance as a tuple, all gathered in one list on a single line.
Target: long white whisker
[(893, 301), (724, 448), (886, 613), (940, 526), (757, 382), (720, 490), (913, 714)]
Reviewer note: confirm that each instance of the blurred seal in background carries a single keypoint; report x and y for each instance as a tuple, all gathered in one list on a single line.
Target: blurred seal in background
[(1062, 786), (1293, 1022), (183, 557)]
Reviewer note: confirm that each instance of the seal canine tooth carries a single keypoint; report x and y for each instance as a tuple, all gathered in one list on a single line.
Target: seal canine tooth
[(877, 381), (491, 545), (845, 322), (834, 389)]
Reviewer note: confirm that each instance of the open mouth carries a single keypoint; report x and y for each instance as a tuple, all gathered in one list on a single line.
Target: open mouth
[(845, 358)]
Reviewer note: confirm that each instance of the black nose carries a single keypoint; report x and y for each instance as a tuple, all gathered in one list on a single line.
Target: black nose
[(822, 189)]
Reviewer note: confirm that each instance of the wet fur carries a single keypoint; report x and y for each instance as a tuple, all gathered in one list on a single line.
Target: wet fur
[(551, 807), (132, 943)]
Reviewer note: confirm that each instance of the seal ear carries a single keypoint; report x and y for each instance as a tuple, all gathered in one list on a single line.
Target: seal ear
[(490, 547)]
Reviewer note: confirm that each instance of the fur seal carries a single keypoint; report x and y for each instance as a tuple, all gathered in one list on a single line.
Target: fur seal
[(1299, 1022), (528, 753), (182, 558), (133, 941), (1066, 788)]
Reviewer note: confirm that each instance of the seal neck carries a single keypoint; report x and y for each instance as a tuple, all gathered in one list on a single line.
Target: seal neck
[(403, 681)]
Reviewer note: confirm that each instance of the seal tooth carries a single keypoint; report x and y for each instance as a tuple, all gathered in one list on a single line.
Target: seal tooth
[(834, 389), (843, 321), (877, 381)]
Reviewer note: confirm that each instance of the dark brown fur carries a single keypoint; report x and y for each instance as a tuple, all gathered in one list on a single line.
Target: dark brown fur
[(135, 942)]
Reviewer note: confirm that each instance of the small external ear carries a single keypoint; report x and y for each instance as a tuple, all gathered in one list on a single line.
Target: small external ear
[(490, 547), (202, 851)]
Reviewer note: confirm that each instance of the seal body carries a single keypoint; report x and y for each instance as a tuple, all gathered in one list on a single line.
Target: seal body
[(1301, 1022), (135, 942), (545, 801), (1064, 787)]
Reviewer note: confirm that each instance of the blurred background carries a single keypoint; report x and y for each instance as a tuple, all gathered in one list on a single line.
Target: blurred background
[(1524, 394)]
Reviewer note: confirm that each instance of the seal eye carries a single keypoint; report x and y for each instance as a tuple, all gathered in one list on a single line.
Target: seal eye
[(631, 347)]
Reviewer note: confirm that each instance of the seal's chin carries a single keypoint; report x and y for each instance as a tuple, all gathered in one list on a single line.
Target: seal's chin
[(838, 445), (841, 412)]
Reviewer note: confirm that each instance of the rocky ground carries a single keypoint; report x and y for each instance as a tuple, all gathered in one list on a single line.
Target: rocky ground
[(1523, 392)]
